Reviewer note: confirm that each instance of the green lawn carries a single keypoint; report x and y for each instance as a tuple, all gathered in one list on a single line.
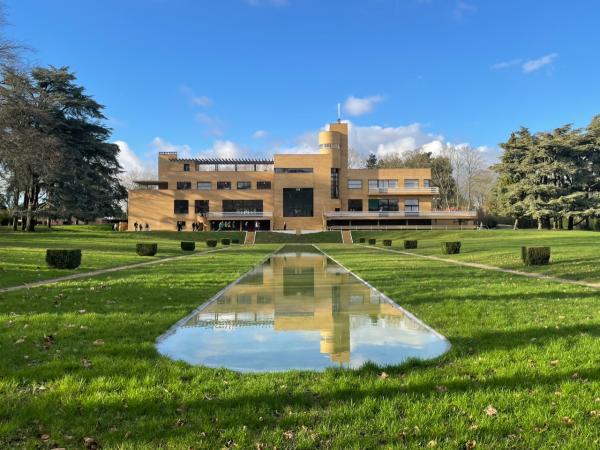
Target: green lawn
[(269, 237), (575, 254), (79, 361), (22, 255)]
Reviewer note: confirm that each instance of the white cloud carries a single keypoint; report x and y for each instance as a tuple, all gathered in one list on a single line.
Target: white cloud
[(506, 64), (214, 126), (259, 134), (535, 64), (160, 145), (128, 159), (197, 100), (356, 106)]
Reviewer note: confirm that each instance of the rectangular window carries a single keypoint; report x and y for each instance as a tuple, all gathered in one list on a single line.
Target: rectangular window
[(186, 167), (354, 184), (383, 204), (335, 182), (184, 185), (204, 185), (411, 183), (426, 183), (243, 206), (263, 185), (223, 185), (298, 202), (180, 206), (293, 170), (355, 205), (244, 185), (411, 206), (382, 184), (201, 207)]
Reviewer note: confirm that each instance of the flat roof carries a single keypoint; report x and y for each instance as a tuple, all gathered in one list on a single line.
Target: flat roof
[(226, 160)]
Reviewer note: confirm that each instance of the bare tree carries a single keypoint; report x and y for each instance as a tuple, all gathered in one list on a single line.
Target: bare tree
[(355, 160), (472, 164)]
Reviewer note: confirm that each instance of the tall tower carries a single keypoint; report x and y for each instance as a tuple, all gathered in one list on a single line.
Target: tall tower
[(335, 143)]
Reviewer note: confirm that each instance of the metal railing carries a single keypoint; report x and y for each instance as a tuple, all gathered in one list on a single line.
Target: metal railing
[(401, 214), (404, 191), (246, 214)]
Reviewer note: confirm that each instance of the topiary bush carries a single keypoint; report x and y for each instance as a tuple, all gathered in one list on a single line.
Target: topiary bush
[(235, 241), (146, 249), (211, 243), (225, 241), (362, 240), (387, 242), (372, 241), (451, 248), (63, 259), (410, 244), (535, 256), (188, 246)]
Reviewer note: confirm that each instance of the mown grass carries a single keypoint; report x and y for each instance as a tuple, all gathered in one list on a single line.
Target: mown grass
[(269, 237), (22, 255), (575, 254), (528, 348)]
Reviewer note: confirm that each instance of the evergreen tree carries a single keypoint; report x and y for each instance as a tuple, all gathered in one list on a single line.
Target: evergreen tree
[(372, 161)]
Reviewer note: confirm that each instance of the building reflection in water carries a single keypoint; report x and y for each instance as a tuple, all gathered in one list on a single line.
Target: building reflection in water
[(303, 294)]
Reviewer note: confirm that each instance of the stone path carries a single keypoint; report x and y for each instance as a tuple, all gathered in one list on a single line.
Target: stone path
[(93, 273), (538, 276)]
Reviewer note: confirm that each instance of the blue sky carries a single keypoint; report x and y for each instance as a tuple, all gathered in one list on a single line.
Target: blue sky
[(232, 77)]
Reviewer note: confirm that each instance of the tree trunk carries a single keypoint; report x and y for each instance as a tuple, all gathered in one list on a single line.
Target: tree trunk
[(31, 207), (539, 221), (516, 224), (570, 223)]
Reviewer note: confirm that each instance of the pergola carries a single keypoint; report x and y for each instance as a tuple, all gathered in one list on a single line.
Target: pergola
[(235, 162)]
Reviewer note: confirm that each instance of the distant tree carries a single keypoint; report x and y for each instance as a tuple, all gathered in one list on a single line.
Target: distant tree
[(372, 161)]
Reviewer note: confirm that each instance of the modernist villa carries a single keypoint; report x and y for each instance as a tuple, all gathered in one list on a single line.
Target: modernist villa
[(291, 191)]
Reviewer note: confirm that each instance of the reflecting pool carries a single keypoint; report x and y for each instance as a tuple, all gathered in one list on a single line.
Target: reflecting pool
[(299, 310)]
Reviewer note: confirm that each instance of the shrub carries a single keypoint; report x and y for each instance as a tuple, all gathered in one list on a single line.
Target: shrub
[(535, 256), (146, 249), (410, 244), (211, 243), (362, 240), (235, 241), (188, 245), (387, 242), (372, 241), (63, 259), (450, 248), (225, 241)]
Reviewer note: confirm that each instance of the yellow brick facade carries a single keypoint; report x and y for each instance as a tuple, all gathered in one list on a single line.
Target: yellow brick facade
[(387, 197)]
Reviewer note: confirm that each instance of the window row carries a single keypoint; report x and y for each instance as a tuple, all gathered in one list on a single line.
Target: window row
[(221, 185), (202, 206), (384, 184), (384, 204)]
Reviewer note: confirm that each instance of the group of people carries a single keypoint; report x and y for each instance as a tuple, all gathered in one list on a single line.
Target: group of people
[(232, 225), (197, 226), (141, 227)]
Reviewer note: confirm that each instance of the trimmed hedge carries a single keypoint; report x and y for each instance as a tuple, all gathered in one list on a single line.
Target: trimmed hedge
[(63, 259), (146, 249), (372, 241), (535, 256), (387, 242), (450, 248), (225, 241), (410, 244), (188, 246), (235, 241), (362, 240), (211, 243)]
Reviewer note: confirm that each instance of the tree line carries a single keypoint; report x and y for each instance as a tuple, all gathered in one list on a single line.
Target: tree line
[(550, 177)]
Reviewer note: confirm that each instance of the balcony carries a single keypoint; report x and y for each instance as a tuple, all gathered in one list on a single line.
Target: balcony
[(469, 215), (239, 215), (404, 191)]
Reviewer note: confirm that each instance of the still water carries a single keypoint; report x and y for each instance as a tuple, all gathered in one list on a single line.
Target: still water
[(299, 310)]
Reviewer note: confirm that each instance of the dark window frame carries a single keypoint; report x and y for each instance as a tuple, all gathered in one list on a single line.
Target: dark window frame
[(178, 207), (221, 185), (294, 170), (262, 185), (294, 205), (357, 204), (206, 182), (186, 167), (201, 207), (248, 185), (184, 185)]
